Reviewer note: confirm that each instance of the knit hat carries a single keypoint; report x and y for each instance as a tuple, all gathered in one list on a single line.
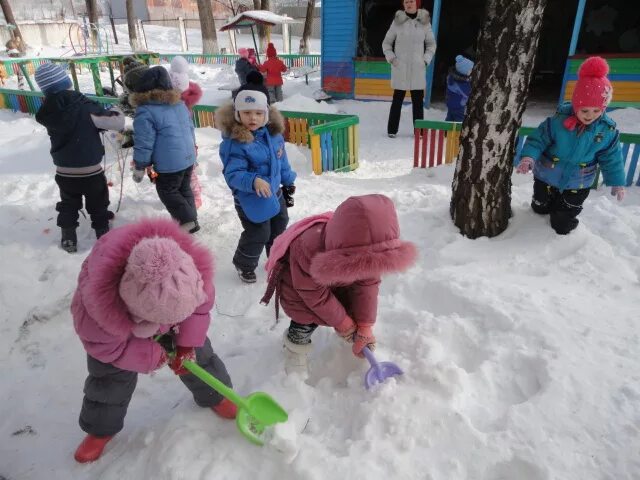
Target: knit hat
[(251, 100), (463, 65), (243, 52), (155, 78), (179, 73), (161, 285), (52, 78), (133, 71), (271, 51), (255, 84), (593, 88)]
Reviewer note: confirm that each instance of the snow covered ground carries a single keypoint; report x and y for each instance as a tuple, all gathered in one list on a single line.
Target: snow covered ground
[(520, 352)]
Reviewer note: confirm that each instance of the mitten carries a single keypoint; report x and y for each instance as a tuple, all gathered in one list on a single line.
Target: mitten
[(363, 338), (346, 329), (618, 192), (287, 193), (138, 175), (525, 166), (181, 354)]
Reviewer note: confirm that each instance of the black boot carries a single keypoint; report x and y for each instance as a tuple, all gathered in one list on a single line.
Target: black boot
[(247, 276), (101, 231), (69, 241)]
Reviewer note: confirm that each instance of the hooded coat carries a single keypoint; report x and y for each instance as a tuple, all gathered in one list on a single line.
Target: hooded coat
[(164, 131), (246, 155), (334, 267), (100, 316), (412, 44)]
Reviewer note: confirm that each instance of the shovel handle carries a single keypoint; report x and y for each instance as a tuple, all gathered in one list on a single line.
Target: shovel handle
[(369, 355), (214, 383)]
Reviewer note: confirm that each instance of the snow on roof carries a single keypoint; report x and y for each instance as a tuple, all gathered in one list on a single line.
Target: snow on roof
[(253, 17)]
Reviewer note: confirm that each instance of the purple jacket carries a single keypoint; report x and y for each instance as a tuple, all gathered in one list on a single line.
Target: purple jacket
[(101, 318)]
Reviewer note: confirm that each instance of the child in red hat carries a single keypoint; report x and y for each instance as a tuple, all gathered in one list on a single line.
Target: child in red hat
[(274, 68)]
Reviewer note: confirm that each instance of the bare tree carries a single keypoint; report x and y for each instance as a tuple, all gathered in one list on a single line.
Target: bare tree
[(507, 44), (131, 25), (16, 34), (262, 30), (92, 13), (308, 24), (208, 28)]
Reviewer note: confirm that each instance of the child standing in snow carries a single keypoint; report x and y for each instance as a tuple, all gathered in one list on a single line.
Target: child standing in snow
[(458, 89), (77, 153), (326, 270), (244, 66), (133, 70), (190, 93), (567, 149), (165, 139), (255, 166), (274, 68), (143, 285)]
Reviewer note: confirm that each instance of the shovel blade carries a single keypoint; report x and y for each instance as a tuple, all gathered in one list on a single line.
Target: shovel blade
[(380, 373), (261, 411)]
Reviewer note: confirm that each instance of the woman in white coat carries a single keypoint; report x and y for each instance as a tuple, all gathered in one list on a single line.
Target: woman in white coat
[(409, 46)]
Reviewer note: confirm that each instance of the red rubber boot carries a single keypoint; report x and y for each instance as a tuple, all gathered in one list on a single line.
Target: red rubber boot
[(91, 448)]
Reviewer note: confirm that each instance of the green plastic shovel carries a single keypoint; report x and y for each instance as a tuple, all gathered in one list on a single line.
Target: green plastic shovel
[(255, 412)]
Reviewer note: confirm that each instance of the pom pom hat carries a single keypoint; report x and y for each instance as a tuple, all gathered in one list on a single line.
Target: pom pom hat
[(592, 89), (179, 73)]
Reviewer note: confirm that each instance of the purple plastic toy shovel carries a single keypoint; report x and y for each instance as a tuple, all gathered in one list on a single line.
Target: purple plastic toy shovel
[(379, 371)]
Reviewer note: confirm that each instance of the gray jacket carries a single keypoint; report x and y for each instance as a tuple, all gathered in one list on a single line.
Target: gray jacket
[(409, 46)]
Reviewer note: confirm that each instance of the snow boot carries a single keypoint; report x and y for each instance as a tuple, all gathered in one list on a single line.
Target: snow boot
[(101, 231), (296, 356), (69, 240), (91, 448), (247, 276), (191, 227), (226, 409)]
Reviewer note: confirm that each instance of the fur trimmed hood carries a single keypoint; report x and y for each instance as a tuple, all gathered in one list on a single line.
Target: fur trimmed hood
[(168, 97), (226, 122), (105, 266), (362, 242), (422, 17)]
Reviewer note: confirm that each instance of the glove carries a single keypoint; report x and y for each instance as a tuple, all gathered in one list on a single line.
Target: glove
[(363, 338), (287, 193), (109, 120), (346, 329), (176, 359), (618, 192), (138, 175), (526, 164)]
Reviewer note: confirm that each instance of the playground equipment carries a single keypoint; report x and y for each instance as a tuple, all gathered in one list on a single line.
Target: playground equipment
[(81, 37), (438, 143)]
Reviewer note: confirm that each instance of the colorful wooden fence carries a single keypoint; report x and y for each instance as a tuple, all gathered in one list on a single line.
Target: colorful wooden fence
[(624, 74), (333, 139), (438, 143)]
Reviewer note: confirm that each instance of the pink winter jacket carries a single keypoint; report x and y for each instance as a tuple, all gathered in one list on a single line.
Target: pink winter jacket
[(333, 269), (192, 95), (101, 318)]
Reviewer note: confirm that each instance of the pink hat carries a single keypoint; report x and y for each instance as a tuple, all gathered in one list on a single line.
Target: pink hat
[(161, 285), (243, 52), (593, 88)]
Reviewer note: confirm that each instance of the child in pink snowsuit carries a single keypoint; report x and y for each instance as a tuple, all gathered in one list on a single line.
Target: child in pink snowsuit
[(143, 300), (326, 270), (190, 94)]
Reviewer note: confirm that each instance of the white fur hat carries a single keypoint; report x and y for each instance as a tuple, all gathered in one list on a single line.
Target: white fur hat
[(179, 73)]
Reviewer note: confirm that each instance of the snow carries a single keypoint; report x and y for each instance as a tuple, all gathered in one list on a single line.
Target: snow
[(520, 352)]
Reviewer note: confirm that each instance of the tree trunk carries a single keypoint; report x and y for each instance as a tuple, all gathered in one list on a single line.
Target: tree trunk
[(8, 16), (208, 28), (92, 13), (507, 44), (308, 24), (262, 29), (131, 25)]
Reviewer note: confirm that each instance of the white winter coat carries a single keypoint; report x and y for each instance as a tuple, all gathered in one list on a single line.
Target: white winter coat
[(411, 42)]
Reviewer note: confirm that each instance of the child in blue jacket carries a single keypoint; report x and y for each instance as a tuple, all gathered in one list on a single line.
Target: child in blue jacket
[(165, 138), (567, 149), (458, 89), (255, 166)]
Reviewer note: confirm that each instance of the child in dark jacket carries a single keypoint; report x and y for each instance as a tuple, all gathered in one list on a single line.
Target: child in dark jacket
[(255, 166), (77, 153), (458, 89), (326, 270), (274, 68), (244, 66), (567, 149), (165, 139), (143, 301)]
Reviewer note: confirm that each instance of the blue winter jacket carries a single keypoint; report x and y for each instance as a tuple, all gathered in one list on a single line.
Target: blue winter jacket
[(245, 156), (568, 159), (164, 132), (458, 90)]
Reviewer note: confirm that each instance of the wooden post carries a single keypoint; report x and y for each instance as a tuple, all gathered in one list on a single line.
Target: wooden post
[(113, 28), (183, 34), (142, 34), (435, 23), (286, 38), (74, 76)]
